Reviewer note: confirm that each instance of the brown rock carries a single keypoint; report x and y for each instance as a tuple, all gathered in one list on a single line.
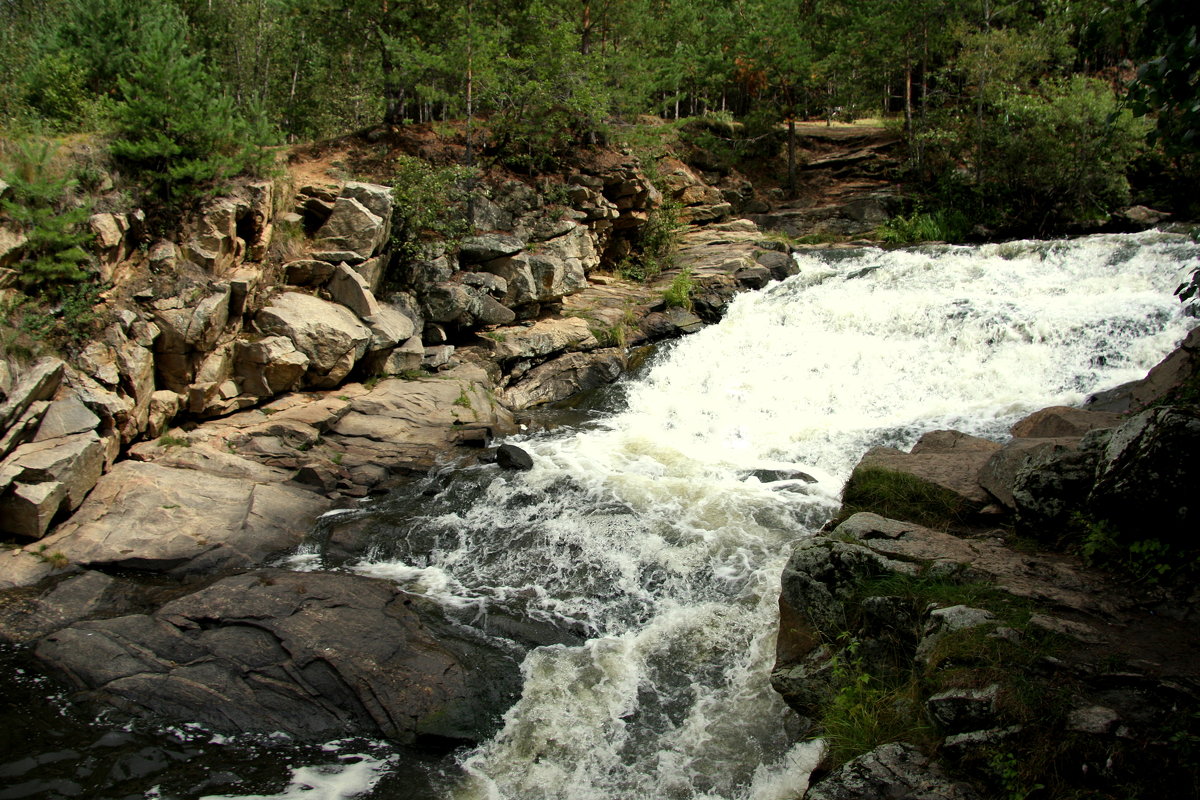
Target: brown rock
[(1059, 422)]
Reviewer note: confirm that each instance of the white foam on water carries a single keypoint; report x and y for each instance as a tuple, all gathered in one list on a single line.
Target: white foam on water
[(654, 533), (353, 775)]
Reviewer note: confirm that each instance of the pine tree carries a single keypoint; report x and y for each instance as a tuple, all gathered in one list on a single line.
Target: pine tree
[(178, 131)]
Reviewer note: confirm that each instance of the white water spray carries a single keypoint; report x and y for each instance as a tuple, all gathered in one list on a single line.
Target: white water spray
[(660, 538)]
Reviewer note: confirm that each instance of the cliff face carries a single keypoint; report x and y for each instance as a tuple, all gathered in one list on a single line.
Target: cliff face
[(1034, 632)]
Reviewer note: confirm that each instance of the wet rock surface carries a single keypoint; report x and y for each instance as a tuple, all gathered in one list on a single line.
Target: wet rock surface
[(312, 654)]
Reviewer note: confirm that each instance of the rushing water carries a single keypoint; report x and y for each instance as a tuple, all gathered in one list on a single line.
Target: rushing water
[(644, 548)]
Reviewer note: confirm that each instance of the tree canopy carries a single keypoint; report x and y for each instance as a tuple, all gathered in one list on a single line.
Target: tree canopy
[(189, 88)]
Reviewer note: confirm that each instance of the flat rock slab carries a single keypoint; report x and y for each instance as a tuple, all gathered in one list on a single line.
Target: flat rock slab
[(152, 517), (1045, 578), (956, 471), (312, 654)]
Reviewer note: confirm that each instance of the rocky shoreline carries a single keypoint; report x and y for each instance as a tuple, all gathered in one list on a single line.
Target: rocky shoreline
[(261, 373), (244, 389), (975, 653)]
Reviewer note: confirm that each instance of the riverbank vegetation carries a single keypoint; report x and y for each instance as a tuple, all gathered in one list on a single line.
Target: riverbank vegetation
[(1025, 117)]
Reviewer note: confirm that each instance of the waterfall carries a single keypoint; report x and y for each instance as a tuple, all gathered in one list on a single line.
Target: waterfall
[(648, 545)]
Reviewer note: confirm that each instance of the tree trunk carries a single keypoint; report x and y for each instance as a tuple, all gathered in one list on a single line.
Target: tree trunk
[(791, 150)]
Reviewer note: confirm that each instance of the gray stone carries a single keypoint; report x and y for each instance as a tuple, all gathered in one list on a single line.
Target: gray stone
[(486, 310), (960, 710), (65, 417), (447, 302), (372, 271), (962, 745), (1059, 422), (408, 356), (163, 256), (215, 246), (24, 428), (150, 517), (375, 197), (780, 263), (315, 655), (487, 247), (1096, 720), (510, 456), (1142, 484), (38, 382), (349, 288), (74, 461), (29, 509), (307, 272), (890, 772), (351, 228), (542, 338), (515, 271), (999, 474), (330, 335), (492, 284), (565, 376), (389, 326), (947, 620), (437, 356)]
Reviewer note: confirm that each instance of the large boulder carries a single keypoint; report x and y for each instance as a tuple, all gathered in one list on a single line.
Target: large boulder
[(1147, 477), (351, 234), (1173, 375), (215, 245), (269, 366), (311, 654), (566, 376), (487, 247), (542, 338), (150, 517), (948, 460), (330, 335), (38, 382)]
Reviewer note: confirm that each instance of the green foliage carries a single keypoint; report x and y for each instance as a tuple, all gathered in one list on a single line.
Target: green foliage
[(922, 226), (463, 400), (167, 440), (547, 96), (1148, 561), (1059, 154), (430, 205), (615, 335), (54, 227), (679, 293), (866, 712), (1168, 82), (658, 240), (899, 495), (176, 129), (1005, 768)]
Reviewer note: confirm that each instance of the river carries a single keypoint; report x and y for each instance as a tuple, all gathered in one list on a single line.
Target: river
[(645, 546)]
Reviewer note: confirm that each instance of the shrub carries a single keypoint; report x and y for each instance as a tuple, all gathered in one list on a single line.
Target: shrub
[(54, 252), (679, 294), (921, 226), (430, 205)]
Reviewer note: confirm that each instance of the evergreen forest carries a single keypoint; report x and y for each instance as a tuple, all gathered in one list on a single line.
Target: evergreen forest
[(1025, 116)]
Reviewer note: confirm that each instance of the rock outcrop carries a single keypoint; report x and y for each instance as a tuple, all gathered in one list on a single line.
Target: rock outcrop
[(1007, 651), (315, 655)]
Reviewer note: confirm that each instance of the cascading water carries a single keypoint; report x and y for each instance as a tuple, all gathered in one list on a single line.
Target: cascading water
[(643, 550), (659, 537)]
